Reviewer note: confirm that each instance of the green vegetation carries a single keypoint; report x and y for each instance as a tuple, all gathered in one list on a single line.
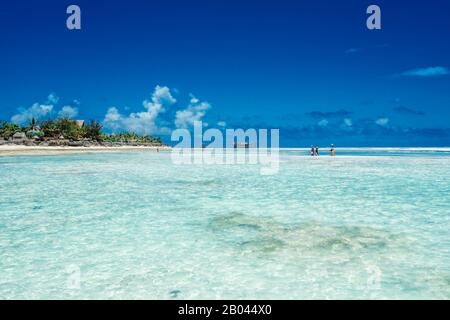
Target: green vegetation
[(64, 128), (7, 129), (131, 137)]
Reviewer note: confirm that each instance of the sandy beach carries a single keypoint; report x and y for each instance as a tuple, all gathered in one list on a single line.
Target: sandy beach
[(39, 150)]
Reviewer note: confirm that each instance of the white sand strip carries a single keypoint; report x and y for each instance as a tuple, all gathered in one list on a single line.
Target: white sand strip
[(21, 149)]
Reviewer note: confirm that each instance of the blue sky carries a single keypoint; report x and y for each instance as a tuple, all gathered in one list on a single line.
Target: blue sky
[(310, 68)]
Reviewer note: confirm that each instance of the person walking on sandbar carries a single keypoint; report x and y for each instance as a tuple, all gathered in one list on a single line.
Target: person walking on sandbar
[(312, 151), (317, 152), (332, 150)]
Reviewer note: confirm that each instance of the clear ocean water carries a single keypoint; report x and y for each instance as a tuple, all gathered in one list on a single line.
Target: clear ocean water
[(129, 225)]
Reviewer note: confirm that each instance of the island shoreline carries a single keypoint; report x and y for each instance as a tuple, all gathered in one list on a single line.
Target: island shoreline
[(13, 149)]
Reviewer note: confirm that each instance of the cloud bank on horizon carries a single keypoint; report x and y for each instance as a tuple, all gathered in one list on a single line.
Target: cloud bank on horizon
[(334, 125), (147, 121)]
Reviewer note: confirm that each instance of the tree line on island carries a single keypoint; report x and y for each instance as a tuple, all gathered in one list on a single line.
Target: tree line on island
[(64, 129)]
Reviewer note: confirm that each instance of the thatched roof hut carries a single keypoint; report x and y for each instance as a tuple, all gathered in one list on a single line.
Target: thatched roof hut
[(79, 123)]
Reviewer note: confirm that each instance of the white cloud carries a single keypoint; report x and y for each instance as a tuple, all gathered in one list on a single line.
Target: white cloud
[(113, 119), (323, 123), (35, 111), (68, 112), (52, 98), (426, 72), (346, 125), (222, 124), (194, 112), (348, 122), (147, 121), (39, 111), (194, 100), (142, 122), (382, 121)]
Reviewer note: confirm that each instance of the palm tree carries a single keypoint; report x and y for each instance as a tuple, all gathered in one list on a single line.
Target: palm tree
[(50, 129), (93, 130), (32, 123), (8, 129)]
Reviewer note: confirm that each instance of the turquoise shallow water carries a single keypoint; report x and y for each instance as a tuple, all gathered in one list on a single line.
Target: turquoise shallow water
[(366, 224)]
